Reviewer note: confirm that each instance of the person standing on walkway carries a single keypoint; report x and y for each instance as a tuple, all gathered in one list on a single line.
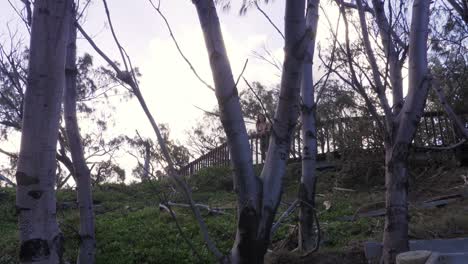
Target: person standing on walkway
[(263, 131)]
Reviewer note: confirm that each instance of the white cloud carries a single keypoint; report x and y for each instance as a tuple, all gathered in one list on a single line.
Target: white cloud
[(172, 90)]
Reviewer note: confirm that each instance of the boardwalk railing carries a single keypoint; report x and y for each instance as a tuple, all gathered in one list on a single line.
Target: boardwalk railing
[(340, 135)]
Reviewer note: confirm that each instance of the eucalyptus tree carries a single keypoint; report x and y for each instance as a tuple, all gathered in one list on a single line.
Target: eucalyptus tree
[(307, 214), (153, 158), (372, 72), (460, 7), (208, 133), (94, 88), (258, 197), (40, 236), (87, 250)]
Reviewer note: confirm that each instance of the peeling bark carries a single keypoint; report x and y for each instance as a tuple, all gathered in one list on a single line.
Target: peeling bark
[(87, 250), (40, 236)]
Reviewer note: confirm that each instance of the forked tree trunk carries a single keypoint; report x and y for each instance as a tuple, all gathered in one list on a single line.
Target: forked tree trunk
[(40, 236), (82, 174), (309, 136), (257, 204), (396, 158)]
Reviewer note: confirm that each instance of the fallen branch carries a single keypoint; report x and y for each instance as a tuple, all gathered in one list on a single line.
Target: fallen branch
[(285, 214), (431, 203), (8, 181), (343, 189), (456, 145), (211, 210), (162, 207)]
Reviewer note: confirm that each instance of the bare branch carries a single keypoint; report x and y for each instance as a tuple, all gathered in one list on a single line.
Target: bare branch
[(452, 115), (121, 50), (129, 79), (8, 181), (268, 18), (171, 33)]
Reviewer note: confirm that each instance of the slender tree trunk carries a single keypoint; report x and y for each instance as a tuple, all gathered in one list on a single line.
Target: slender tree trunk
[(248, 186), (87, 249), (40, 237), (297, 41), (396, 219), (309, 136), (145, 175)]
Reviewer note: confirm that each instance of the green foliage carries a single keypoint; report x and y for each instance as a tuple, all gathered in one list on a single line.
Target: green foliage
[(130, 228), (8, 226), (212, 179)]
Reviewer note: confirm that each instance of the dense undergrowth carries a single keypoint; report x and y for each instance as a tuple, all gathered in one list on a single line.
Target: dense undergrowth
[(130, 228)]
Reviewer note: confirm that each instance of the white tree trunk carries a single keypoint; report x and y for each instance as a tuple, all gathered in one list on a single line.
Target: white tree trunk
[(396, 158), (296, 43), (309, 136), (82, 174), (247, 184), (256, 207), (40, 236)]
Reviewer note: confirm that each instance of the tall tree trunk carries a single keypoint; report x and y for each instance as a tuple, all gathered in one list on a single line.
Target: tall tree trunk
[(396, 219), (257, 204), (40, 237), (396, 181), (297, 41), (309, 136), (248, 185), (82, 174)]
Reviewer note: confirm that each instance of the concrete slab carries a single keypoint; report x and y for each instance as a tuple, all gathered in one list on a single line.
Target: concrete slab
[(373, 250), (453, 258)]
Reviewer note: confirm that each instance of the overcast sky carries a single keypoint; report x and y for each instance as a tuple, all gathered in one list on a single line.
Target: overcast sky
[(170, 88)]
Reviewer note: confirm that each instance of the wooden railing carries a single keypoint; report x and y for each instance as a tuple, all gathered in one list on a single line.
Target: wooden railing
[(342, 134)]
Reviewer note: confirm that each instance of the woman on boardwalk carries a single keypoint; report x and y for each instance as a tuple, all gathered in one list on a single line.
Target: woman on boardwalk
[(263, 130)]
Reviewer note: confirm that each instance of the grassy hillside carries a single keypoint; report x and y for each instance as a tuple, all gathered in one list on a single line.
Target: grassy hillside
[(131, 228)]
